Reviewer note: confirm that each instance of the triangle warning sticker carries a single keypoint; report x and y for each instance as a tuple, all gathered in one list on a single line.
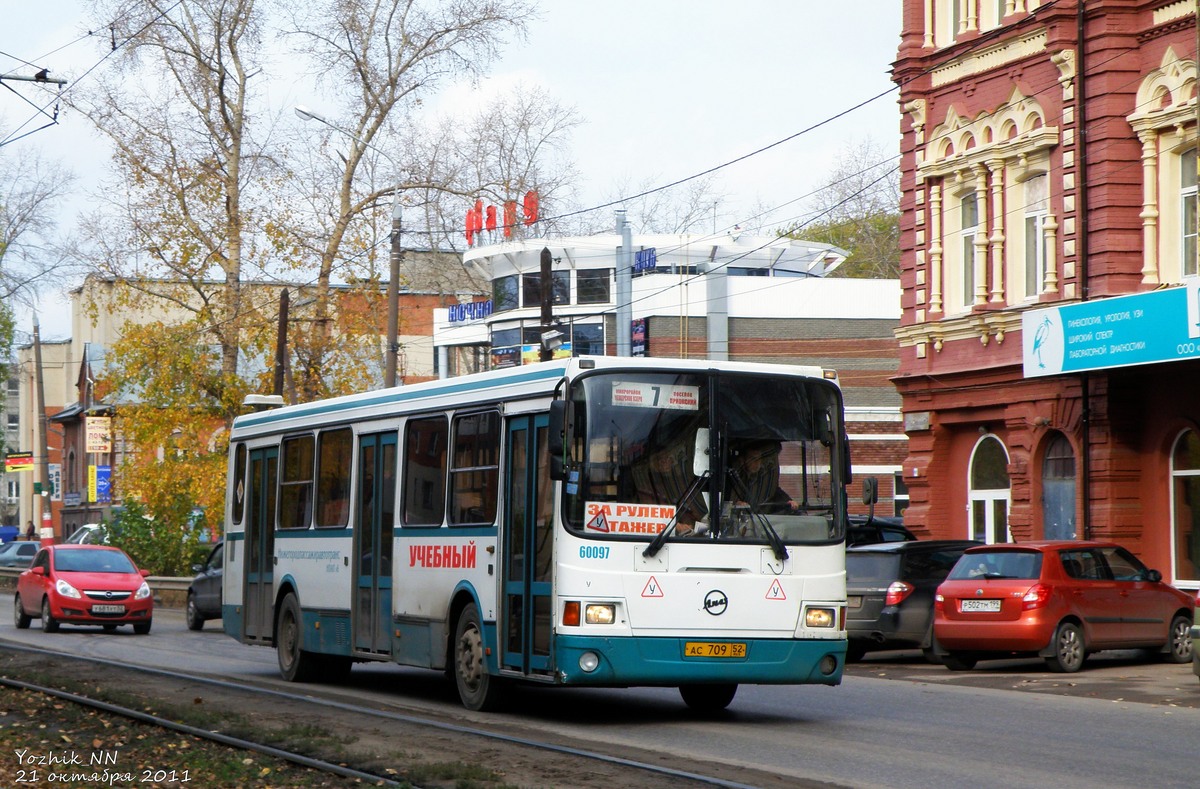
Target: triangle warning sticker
[(776, 591), (598, 523), (652, 588)]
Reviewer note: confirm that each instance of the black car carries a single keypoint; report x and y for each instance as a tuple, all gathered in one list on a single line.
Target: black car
[(889, 593), (871, 529), (204, 594)]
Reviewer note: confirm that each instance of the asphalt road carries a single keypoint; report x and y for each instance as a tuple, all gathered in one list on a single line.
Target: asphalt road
[(895, 722)]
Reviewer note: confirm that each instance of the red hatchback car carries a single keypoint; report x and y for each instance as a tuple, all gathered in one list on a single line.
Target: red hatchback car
[(86, 585), (1057, 600)]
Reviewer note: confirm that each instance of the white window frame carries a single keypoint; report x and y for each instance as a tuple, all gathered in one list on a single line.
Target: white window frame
[(967, 235), (1037, 210), (1187, 214)]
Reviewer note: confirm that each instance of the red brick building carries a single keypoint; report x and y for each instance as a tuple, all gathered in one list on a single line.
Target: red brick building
[(1049, 167)]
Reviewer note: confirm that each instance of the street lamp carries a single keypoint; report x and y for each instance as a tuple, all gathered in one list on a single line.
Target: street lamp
[(393, 287)]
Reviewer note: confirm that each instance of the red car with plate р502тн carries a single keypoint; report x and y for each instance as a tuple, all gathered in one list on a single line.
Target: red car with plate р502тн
[(1060, 601)]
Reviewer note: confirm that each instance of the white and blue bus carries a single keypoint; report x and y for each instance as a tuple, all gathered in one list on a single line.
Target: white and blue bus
[(602, 521)]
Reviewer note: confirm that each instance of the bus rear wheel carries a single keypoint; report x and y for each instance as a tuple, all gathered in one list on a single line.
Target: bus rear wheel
[(479, 690), (295, 664), (708, 698)]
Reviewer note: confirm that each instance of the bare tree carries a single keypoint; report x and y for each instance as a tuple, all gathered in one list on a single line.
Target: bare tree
[(859, 211), (177, 111), (384, 57), (30, 188)]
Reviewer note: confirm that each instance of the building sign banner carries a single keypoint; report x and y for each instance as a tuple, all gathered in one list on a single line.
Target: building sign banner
[(637, 337), (91, 482), (55, 481), (18, 461), (1141, 328), (99, 434), (457, 313), (103, 484)]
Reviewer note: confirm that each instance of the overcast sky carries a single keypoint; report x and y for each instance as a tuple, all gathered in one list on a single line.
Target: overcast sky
[(666, 89)]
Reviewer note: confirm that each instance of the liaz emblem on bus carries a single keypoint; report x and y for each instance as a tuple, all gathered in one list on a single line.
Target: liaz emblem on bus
[(627, 518)]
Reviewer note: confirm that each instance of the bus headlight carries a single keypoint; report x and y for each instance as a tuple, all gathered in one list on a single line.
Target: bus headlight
[(600, 614), (819, 617), (589, 661)]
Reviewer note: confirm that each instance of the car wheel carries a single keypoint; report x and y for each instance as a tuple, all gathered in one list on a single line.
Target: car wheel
[(708, 698), (295, 664), (855, 651), (49, 623), (1179, 641), (142, 628), (20, 618), (479, 690), (194, 620), (957, 661), (1069, 649)]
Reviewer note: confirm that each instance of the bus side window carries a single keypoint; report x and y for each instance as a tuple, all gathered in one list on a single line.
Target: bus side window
[(333, 477), (296, 483), (425, 442), (475, 469)]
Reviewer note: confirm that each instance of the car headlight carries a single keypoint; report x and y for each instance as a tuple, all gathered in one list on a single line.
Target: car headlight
[(143, 591), (65, 589)]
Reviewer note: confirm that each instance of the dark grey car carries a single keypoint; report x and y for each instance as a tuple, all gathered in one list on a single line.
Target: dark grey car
[(204, 594), (889, 593), (18, 554)]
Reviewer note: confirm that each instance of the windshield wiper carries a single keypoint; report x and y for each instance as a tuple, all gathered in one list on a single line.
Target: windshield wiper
[(781, 552), (660, 539)]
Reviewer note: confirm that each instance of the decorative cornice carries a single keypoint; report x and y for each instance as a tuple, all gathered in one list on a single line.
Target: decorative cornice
[(1177, 10), (984, 327), (990, 57)]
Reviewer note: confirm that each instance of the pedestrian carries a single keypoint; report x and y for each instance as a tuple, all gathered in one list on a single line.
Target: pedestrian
[(28, 533)]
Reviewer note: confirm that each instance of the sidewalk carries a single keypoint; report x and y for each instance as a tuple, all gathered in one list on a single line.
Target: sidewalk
[(1119, 675)]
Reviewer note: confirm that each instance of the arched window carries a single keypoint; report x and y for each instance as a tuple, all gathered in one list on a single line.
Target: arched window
[(1058, 490), (988, 493), (1185, 505)]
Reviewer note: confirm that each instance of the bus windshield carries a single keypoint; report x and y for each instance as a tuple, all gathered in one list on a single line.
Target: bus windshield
[(719, 456)]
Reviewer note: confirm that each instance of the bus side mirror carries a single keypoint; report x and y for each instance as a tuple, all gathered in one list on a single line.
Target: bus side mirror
[(700, 458), (558, 439), (870, 490)]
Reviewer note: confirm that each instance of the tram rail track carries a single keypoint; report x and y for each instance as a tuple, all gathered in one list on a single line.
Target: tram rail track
[(643, 773)]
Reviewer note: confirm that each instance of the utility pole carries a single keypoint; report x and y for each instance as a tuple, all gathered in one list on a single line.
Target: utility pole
[(281, 340), (624, 286), (42, 451), (546, 353), (393, 296)]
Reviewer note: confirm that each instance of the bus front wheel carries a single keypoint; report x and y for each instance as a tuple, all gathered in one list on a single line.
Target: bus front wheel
[(478, 689), (295, 664)]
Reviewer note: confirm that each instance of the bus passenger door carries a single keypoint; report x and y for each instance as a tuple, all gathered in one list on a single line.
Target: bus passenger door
[(375, 520), (528, 547), (259, 594)]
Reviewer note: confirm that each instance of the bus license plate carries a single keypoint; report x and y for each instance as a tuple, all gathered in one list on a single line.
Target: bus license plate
[(991, 606), (714, 649), (108, 609)]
